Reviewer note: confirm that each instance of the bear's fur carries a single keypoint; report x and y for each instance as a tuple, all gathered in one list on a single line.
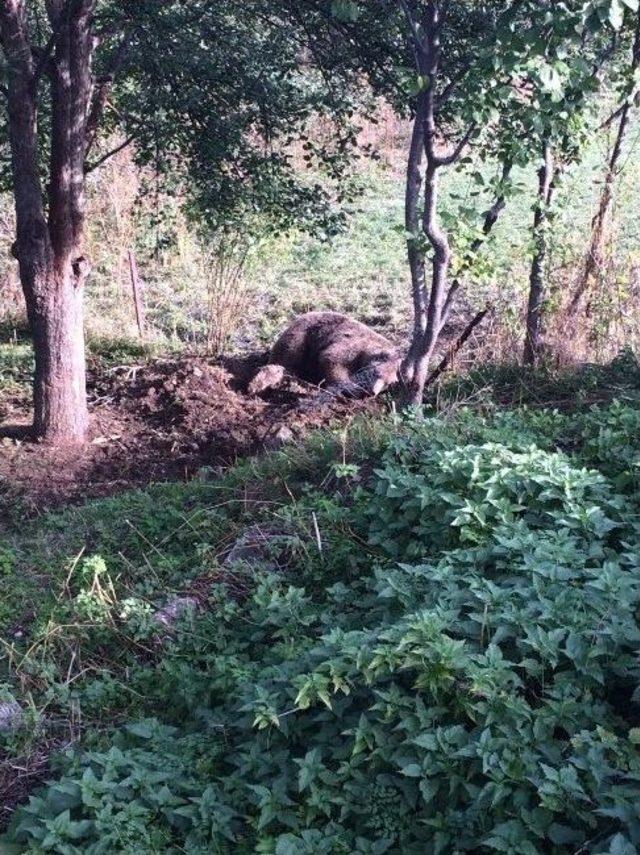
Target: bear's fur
[(333, 350)]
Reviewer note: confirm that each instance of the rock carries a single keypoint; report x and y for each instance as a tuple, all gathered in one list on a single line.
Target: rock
[(175, 609), (269, 546), (11, 716)]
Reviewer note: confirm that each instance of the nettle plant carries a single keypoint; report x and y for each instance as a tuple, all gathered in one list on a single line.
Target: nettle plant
[(457, 670)]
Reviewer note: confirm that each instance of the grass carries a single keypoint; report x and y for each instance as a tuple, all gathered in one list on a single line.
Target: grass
[(16, 365), (508, 384), (363, 271)]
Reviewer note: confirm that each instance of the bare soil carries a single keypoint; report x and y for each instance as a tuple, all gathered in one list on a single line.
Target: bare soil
[(156, 421)]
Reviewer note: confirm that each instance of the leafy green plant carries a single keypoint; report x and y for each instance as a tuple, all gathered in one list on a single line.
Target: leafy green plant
[(457, 667)]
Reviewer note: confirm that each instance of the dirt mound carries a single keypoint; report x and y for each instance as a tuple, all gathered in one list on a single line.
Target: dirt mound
[(164, 420)]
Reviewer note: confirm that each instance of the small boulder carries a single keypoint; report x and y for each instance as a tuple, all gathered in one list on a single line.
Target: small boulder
[(269, 546), (277, 437), (11, 716), (174, 610)]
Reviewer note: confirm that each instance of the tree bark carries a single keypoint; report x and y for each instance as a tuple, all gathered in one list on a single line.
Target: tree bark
[(415, 250), (437, 296), (594, 259), (60, 400), (537, 290), (52, 269), (428, 323)]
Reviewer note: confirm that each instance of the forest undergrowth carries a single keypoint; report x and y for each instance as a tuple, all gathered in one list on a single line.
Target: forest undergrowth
[(437, 648)]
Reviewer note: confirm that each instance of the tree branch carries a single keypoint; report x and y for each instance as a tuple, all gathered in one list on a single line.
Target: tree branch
[(490, 219), (449, 89), (43, 56), (448, 159), (415, 32), (457, 345), (103, 89), (90, 167)]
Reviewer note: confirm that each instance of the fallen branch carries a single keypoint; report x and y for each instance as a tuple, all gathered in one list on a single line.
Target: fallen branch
[(447, 359)]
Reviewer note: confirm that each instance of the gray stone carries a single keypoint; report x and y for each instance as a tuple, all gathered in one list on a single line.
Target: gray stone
[(277, 437), (11, 716), (175, 609), (268, 546)]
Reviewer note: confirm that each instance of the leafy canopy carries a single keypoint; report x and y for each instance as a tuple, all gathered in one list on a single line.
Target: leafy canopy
[(219, 98)]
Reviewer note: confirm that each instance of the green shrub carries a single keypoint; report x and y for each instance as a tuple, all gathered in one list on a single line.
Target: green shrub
[(456, 669)]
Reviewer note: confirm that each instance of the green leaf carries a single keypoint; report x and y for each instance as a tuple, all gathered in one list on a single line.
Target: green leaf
[(345, 10), (620, 845), (563, 834), (412, 770), (143, 729)]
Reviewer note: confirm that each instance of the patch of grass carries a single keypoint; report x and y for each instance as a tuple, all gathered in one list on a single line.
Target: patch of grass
[(16, 366), (509, 384), (120, 351)]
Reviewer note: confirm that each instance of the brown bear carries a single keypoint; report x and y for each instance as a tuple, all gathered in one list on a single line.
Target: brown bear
[(333, 350)]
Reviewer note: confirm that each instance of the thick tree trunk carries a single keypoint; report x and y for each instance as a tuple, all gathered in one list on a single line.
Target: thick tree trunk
[(60, 402), (537, 290), (52, 270)]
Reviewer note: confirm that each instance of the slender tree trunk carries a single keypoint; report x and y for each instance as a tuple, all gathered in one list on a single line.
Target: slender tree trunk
[(52, 269), (136, 287), (594, 259), (456, 347), (431, 305), (428, 307), (537, 290), (415, 249), (490, 219), (438, 293)]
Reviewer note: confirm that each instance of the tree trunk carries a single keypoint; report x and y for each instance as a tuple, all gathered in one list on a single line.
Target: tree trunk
[(428, 308), (52, 270), (440, 268), (537, 290), (60, 401), (594, 260), (415, 250), (136, 287)]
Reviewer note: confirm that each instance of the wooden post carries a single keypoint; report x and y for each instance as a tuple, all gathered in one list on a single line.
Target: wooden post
[(136, 287)]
